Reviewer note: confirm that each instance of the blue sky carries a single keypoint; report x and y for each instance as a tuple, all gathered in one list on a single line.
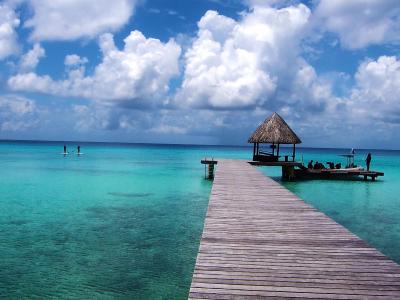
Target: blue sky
[(202, 72)]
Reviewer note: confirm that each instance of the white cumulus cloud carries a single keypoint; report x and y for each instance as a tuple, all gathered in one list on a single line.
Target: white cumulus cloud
[(17, 113), (8, 36), (74, 60), (92, 117), (73, 19), (369, 112), (30, 59), (360, 23), (140, 71), (377, 89), (244, 63)]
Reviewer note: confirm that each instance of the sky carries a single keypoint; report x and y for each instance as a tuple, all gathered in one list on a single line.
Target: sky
[(200, 71)]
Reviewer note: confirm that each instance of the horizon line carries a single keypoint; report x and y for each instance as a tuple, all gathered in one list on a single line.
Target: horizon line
[(177, 144)]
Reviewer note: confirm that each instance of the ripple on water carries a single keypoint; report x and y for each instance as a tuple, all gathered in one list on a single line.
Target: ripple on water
[(99, 227), (130, 195)]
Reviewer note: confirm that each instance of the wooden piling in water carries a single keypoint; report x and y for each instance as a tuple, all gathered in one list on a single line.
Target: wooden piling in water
[(209, 167)]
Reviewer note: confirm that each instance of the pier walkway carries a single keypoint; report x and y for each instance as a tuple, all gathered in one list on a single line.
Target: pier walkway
[(262, 241)]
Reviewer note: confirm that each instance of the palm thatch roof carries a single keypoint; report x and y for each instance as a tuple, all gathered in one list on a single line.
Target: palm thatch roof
[(274, 130)]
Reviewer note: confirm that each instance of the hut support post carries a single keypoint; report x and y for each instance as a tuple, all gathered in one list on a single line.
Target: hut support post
[(294, 151), (254, 150), (277, 153), (273, 149)]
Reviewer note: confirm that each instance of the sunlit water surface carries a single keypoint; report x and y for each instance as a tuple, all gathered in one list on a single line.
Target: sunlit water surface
[(124, 221)]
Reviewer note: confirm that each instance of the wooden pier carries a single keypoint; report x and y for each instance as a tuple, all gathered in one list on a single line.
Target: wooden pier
[(338, 174), (301, 172), (262, 241)]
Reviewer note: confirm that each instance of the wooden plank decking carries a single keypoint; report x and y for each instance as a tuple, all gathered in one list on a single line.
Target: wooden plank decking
[(262, 241)]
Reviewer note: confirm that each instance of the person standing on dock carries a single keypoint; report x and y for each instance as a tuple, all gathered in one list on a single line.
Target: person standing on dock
[(65, 149), (79, 150), (310, 165), (368, 160)]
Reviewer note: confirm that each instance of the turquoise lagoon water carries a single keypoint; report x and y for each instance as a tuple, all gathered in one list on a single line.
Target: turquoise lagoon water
[(124, 221), (371, 210)]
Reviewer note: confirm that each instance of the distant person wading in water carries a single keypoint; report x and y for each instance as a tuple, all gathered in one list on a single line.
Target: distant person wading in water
[(368, 160)]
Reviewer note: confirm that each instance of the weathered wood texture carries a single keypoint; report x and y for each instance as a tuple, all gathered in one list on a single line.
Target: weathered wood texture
[(262, 241), (277, 163)]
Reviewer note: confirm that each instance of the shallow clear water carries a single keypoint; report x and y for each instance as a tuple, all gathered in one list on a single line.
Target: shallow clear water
[(371, 210), (124, 221), (117, 222)]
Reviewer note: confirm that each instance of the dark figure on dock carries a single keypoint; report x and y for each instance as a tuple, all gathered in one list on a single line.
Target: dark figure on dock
[(79, 149), (338, 166), (330, 164), (318, 166), (310, 164), (368, 160), (65, 149)]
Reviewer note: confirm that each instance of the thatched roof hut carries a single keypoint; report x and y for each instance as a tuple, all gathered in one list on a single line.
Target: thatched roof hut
[(274, 130)]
